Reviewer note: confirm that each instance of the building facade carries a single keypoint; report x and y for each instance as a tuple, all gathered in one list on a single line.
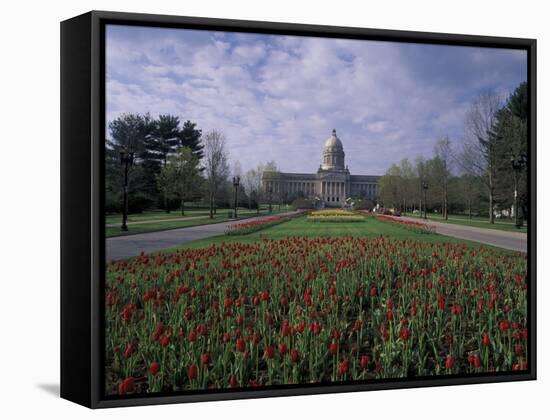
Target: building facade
[(332, 185)]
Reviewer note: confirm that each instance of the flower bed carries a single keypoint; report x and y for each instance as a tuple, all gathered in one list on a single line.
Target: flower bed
[(305, 310), (244, 228), (334, 216), (413, 226)]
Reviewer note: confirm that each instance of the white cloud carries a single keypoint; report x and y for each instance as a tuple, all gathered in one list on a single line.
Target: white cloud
[(279, 97)]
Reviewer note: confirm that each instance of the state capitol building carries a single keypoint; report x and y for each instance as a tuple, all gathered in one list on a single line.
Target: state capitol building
[(332, 184)]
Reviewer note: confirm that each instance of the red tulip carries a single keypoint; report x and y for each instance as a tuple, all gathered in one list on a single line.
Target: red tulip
[(240, 345), (333, 348), (205, 358), (164, 340), (283, 348), (343, 367), (154, 368), (130, 349), (294, 356), (364, 362), (404, 333), (269, 352), (503, 325), (127, 385), (449, 362), (485, 340), (477, 361), (192, 372)]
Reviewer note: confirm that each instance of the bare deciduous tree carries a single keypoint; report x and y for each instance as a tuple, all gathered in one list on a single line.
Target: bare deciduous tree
[(480, 120), (252, 185), (443, 151), (216, 164)]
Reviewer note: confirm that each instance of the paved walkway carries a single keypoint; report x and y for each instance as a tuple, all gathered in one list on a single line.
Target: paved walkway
[(173, 219), (122, 247), (514, 241)]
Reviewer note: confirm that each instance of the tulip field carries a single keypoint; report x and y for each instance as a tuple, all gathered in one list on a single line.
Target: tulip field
[(302, 308)]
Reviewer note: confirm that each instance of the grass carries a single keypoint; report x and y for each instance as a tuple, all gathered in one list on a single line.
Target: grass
[(476, 221), (156, 221), (111, 232), (156, 215), (301, 227)]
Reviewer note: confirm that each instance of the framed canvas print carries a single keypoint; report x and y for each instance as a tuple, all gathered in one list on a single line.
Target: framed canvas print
[(255, 209)]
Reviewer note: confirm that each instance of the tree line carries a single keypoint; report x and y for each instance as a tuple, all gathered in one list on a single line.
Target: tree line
[(478, 177), (174, 162)]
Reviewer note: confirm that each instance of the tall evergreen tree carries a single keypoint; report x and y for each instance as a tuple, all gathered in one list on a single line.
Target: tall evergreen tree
[(160, 145), (510, 136), (191, 137), (128, 134)]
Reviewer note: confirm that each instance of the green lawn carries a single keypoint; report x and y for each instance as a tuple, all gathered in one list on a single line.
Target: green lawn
[(301, 227), (155, 215), (156, 221), (476, 221)]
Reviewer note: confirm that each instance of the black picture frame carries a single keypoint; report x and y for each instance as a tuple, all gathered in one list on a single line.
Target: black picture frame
[(82, 219)]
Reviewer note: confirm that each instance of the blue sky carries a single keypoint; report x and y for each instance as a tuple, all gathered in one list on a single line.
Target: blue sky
[(278, 98)]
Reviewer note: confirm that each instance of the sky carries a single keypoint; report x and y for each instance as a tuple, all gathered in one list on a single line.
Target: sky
[(279, 97)]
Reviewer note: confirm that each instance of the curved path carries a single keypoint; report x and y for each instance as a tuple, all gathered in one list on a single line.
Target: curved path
[(122, 247), (514, 241)]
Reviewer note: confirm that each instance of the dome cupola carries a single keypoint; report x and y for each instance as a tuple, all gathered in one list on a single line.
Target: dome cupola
[(333, 154)]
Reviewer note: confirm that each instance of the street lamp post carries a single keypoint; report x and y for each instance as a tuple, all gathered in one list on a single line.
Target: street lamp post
[(126, 159), (236, 181), (518, 163), (425, 188)]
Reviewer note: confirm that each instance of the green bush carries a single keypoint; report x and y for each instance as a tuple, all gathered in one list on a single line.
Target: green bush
[(302, 203)]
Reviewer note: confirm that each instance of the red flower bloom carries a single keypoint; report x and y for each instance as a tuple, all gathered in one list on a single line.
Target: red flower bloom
[(449, 362), (127, 385), (477, 361), (283, 348), (503, 325), (164, 340), (404, 333), (364, 362), (130, 349), (205, 358), (269, 352), (154, 368), (192, 372), (201, 329), (343, 367), (333, 348), (485, 340), (294, 356), (240, 345)]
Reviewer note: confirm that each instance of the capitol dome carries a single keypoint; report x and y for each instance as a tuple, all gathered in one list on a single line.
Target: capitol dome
[(333, 142), (333, 154)]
